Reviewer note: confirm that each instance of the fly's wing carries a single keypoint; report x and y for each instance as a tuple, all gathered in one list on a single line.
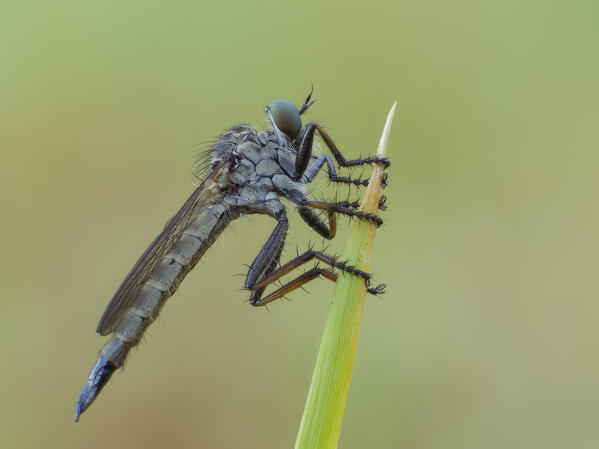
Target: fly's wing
[(140, 273)]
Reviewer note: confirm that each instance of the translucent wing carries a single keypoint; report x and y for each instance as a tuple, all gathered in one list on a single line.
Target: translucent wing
[(140, 273)]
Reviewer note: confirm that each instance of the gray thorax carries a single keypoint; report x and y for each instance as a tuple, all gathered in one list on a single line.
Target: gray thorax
[(260, 168)]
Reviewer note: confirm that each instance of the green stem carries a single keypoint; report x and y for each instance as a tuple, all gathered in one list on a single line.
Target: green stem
[(321, 423)]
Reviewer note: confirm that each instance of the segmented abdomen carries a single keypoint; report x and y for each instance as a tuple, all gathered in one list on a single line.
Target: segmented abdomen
[(164, 279)]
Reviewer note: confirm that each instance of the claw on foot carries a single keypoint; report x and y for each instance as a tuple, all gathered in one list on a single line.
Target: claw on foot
[(378, 290)]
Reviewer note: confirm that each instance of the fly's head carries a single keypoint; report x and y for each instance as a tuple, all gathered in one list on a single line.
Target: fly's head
[(285, 118)]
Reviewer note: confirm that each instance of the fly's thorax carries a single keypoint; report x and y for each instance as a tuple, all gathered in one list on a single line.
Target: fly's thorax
[(295, 191), (267, 168), (267, 157), (242, 172), (259, 167), (245, 203), (260, 190), (255, 151), (229, 141), (286, 160)]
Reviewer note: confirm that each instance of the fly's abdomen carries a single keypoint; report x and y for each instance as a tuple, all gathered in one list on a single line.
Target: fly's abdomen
[(191, 245), (151, 296)]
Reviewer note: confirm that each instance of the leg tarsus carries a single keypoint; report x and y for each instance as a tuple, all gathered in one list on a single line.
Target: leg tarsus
[(383, 202), (343, 207), (378, 290), (315, 167)]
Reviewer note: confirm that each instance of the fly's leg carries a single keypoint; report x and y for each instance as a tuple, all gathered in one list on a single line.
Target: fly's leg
[(342, 207), (356, 205), (305, 151), (306, 257), (306, 277), (292, 285), (262, 271), (328, 232), (314, 168), (268, 258), (315, 222)]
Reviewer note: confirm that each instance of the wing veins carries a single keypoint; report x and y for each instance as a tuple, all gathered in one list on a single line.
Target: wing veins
[(153, 255)]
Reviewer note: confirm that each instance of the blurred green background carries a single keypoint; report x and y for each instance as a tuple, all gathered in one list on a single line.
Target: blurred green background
[(487, 336)]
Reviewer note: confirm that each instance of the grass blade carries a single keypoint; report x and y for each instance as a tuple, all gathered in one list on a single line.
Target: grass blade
[(321, 423)]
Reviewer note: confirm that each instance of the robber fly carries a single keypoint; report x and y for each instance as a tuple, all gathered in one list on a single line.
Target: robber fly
[(250, 171)]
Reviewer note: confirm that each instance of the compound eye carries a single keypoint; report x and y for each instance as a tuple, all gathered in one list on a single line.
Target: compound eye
[(286, 117)]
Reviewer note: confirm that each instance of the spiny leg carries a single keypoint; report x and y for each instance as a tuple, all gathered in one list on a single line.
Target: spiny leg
[(314, 168), (356, 204), (304, 152), (342, 207), (313, 220), (309, 275), (268, 257), (306, 257), (294, 284)]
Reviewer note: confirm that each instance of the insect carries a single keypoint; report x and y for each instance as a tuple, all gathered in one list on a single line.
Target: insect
[(250, 171)]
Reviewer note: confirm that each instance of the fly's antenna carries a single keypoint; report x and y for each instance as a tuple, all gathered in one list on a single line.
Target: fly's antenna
[(307, 103)]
